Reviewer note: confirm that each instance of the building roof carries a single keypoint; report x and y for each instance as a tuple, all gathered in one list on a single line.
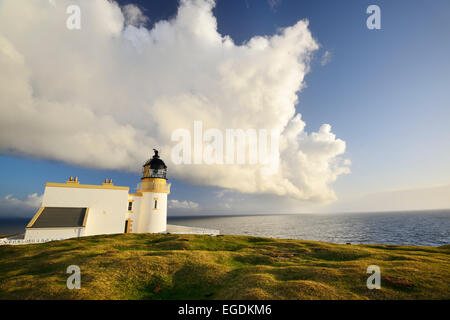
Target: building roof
[(70, 184), (155, 163), (59, 217)]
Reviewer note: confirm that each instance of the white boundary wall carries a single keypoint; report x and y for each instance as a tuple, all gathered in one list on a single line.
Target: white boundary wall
[(53, 233)]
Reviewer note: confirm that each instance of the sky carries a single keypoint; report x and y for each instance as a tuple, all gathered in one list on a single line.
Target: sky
[(363, 114)]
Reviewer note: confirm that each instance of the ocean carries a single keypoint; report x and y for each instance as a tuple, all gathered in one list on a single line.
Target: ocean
[(424, 228)]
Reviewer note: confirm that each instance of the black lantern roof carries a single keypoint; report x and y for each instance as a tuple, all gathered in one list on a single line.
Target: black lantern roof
[(155, 167), (155, 162)]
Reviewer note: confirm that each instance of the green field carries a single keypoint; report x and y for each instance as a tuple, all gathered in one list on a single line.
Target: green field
[(156, 266)]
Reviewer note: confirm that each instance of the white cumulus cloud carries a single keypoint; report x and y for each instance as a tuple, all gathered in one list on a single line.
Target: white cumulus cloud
[(186, 204), (134, 15), (106, 95), (31, 201)]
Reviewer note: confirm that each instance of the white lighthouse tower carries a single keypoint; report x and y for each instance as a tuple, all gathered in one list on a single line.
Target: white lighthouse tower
[(154, 190)]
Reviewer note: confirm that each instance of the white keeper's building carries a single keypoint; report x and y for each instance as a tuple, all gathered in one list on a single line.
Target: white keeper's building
[(73, 210)]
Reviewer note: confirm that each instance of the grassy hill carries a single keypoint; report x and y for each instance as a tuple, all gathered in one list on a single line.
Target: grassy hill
[(143, 266)]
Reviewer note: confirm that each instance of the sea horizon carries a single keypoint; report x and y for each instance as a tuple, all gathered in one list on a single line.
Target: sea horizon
[(418, 227)]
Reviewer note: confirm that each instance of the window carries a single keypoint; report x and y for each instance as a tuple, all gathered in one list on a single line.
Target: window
[(156, 204), (130, 205)]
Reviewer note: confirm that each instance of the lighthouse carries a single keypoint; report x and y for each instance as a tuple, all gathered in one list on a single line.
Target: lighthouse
[(154, 189), (73, 210)]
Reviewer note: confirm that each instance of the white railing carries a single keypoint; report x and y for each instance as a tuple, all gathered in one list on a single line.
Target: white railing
[(6, 241)]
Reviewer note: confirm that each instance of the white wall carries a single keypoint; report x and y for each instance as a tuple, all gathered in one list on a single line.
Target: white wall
[(107, 207), (53, 233), (108, 211), (151, 220), (134, 216)]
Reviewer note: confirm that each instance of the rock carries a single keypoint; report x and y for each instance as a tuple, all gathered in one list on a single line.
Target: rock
[(397, 282), (157, 289)]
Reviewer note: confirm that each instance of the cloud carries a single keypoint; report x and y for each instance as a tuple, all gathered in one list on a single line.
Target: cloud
[(133, 16), (106, 95), (31, 201), (274, 3), (176, 204), (11, 206), (326, 58), (422, 198)]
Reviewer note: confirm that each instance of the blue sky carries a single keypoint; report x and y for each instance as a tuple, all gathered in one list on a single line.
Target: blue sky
[(386, 93)]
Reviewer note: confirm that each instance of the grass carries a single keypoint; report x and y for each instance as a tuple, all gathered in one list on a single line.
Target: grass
[(157, 266)]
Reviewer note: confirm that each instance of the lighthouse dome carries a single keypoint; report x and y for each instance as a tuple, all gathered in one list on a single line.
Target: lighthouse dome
[(155, 167)]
